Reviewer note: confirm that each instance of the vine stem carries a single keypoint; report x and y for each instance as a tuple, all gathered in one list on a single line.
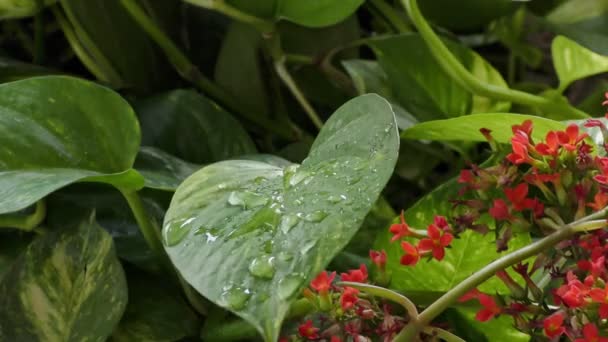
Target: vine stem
[(26, 223), (382, 292), (452, 66), (190, 72), (436, 308), (442, 334), (391, 16)]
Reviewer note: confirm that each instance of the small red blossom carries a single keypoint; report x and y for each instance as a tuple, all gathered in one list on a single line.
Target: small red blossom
[(525, 127), (378, 258), (490, 308), (436, 242), (499, 210), (519, 145), (322, 283), (553, 325), (466, 177), (441, 222), (400, 230), (357, 276), (571, 137), (308, 331), (411, 255), (574, 292), (591, 334), (473, 294), (349, 298), (517, 196), (335, 339), (551, 145), (600, 201), (601, 296)]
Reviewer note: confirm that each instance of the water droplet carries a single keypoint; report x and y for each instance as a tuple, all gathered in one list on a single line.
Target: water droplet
[(336, 198), (353, 180), (235, 297), (268, 246), (289, 172), (259, 180), (285, 256), (175, 231), (298, 177), (288, 222), (289, 285), (307, 247), (316, 216), (262, 267), (246, 199)]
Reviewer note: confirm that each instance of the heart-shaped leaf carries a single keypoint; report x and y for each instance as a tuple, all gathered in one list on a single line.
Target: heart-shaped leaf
[(161, 170), (249, 235), (573, 62), (58, 130), (424, 89), (67, 286), (189, 126), (466, 128)]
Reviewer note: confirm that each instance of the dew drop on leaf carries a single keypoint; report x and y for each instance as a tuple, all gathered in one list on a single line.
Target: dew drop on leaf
[(288, 222), (315, 216), (175, 231), (289, 285), (246, 199), (235, 297), (262, 267)]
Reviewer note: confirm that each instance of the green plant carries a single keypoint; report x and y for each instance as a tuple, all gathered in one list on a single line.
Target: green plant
[(197, 187)]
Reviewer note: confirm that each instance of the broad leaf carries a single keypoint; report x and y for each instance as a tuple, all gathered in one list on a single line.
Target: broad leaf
[(573, 11), (498, 329), (20, 8), (157, 312), (590, 33), (423, 88), (249, 235), (469, 253), (161, 170), (14, 70), (116, 44), (191, 127), (574, 62), (467, 128), (58, 130), (67, 286)]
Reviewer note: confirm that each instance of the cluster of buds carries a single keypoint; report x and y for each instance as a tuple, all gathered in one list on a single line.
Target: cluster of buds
[(343, 313)]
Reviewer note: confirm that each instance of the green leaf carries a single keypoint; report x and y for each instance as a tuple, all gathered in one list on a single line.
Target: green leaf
[(189, 126), (14, 70), (574, 62), (156, 312), (466, 128), (368, 77), (67, 286), (117, 44), (574, 11), (467, 254), (161, 170), (423, 88), (591, 32), (20, 8), (11, 245), (499, 329), (317, 13), (58, 130), (249, 235)]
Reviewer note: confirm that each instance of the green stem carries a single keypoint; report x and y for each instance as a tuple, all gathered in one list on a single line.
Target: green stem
[(382, 292), (452, 66), (25, 222), (442, 334), (392, 17), (221, 6), (591, 225), (299, 59), (39, 33), (148, 228), (190, 72)]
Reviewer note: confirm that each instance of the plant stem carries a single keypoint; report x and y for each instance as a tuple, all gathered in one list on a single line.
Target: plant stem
[(477, 278), (382, 292), (190, 72), (25, 222), (452, 66), (392, 17), (442, 334), (39, 34), (299, 59), (221, 6)]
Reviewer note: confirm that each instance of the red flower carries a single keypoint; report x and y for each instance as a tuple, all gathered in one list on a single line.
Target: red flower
[(400, 230), (499, 210), (517, 196), (600, 201), (441, 222), (357, 276), (591, 334), (601, 296), (335, 339), (553, 325), (473, 294), (525, 127), (519, 144), (411, 255), (307, 330), (378, 258), (571, 137), (490, 308), (349, 298), (574, 293), (322, 283), (466, 177), (551, 147), (436, 242)]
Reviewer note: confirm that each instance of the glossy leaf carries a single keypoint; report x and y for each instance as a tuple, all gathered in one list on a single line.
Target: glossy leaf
[(10, 9), (590, 33), (117, 44), (467, 254), (249, 235), (157, 312), (465, 14), (466, 128), (67, 286), (574, 62), (423, 89), (58, 130), (573, 11), (161, 170), (191, 127)]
